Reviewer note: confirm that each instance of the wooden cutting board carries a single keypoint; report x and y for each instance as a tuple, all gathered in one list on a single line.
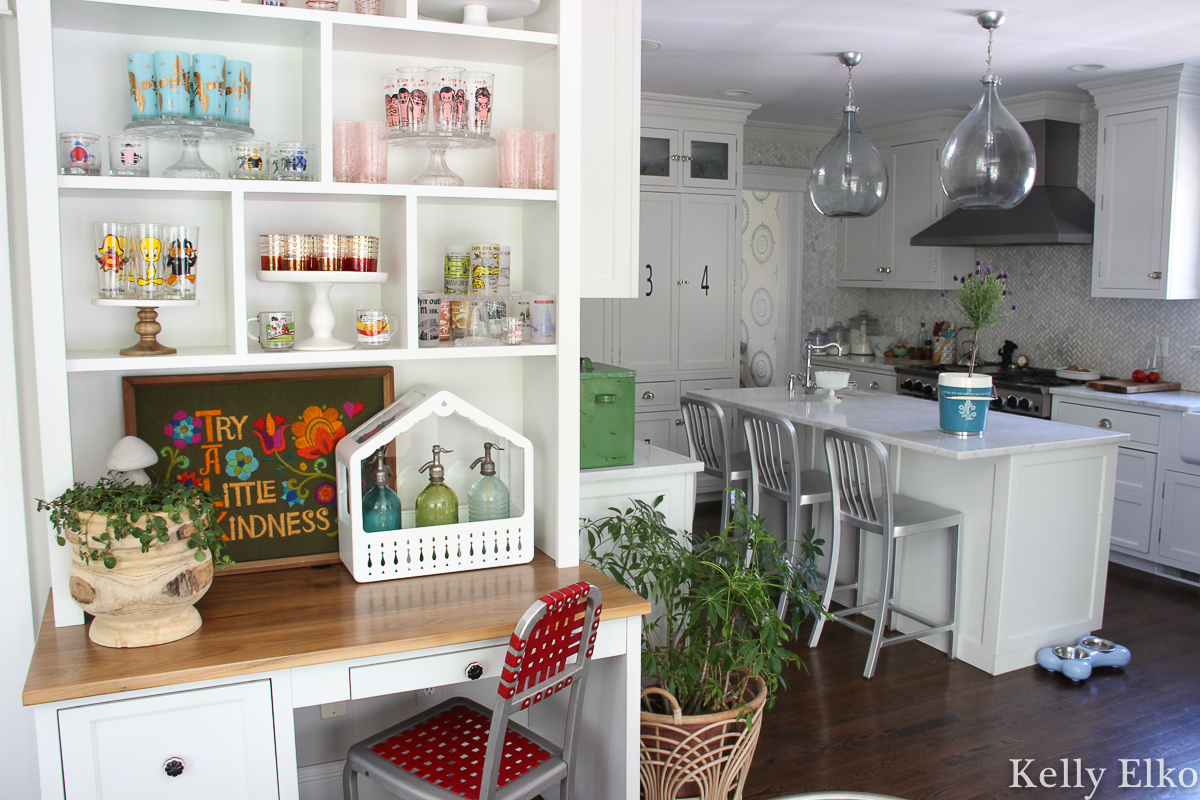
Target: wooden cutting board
[(1133, 387)]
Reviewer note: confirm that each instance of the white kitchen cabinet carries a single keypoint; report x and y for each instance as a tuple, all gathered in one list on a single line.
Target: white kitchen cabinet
[(874, 380), (309, 69), (1179, 544), (1146, 241), (692, 159), (875, 251), (188, 745)]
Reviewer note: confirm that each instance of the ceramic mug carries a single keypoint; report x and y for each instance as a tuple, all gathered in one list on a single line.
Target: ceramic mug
[(276, 330)]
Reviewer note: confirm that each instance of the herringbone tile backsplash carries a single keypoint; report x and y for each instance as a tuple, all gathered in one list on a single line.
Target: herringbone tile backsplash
[(1057, 322)]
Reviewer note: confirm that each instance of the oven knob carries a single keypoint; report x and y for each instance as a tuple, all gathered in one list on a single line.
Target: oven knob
[(918, 386), (1024, 404), (908, 384), (997, 403), (930, 390), (1011, 402)]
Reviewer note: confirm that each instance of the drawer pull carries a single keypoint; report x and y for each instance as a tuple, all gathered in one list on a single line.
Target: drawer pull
[(873, 385), (647, 395), (1104, 423), (606, 398), (474, 671), (174, 766)]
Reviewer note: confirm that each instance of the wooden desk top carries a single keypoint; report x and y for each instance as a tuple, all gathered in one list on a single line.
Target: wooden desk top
[(256, 622)]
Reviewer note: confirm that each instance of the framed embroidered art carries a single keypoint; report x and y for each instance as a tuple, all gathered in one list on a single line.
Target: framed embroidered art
[(263, 443)]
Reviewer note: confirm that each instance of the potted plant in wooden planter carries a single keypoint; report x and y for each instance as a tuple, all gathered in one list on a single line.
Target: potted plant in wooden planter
[(141, 555), (716, 647)]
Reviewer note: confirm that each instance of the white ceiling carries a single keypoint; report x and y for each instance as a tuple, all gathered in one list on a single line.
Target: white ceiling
[(918, 55)]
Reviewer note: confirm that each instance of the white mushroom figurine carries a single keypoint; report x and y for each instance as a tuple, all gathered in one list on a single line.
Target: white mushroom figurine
[(128, 459)]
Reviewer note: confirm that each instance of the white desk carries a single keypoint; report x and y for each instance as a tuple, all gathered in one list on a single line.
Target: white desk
[(654, 472), (222, 699)]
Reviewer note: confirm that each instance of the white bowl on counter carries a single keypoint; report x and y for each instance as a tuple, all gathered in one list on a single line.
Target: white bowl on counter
[(1077, 374), (881, 344), (832, 380)]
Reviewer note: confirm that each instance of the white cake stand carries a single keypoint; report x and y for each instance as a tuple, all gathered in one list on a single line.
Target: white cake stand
[(147, 327), (476, 12), (320, 313)]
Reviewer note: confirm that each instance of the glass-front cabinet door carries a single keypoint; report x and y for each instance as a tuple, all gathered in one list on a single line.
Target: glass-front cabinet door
[(710, 160), (660, 157)]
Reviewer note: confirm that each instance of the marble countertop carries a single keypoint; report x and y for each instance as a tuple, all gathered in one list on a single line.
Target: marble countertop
[(912, 423), (1167, 401), (859, 362), (647, 460)]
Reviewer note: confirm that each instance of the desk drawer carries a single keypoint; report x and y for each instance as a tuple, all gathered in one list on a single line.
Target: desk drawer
[(411, 674), (1142, 428)]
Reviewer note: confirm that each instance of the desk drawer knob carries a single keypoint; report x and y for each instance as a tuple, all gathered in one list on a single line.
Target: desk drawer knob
[(474, 671), (174, 766), (1104, 423)]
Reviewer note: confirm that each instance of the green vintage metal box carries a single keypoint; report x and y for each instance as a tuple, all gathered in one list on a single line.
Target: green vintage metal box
[(605, 415)]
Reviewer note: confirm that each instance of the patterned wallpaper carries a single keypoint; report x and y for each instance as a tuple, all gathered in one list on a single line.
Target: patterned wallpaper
[(759, 286), (1057, 321)]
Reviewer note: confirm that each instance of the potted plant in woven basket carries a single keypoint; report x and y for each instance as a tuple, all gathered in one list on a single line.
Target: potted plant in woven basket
[(141, 556), (715, 648)]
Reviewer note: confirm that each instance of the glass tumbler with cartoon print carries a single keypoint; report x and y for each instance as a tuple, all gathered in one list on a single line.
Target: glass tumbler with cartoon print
[(479, 102), (128, 155), (179, 261), (145, 280), (411, 102), (112, 257), (449, 99)]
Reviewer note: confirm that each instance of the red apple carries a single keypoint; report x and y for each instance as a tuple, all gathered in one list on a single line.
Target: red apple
[(1153, 377), (1139, 376)]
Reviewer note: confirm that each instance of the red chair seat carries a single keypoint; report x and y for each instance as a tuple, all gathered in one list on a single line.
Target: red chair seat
[(447, 750)]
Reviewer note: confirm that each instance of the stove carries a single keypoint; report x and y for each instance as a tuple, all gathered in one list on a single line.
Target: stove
[(1018, 391)]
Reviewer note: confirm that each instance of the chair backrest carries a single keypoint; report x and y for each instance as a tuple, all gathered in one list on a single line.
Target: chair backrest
[(558, 626), (708, 442), (774, 448), (859, 472)]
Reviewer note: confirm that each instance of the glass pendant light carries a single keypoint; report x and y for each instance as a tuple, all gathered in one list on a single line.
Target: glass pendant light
[(988, 161), (849, 178)]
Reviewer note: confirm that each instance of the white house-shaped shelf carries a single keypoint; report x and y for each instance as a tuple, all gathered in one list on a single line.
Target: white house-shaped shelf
[(409, 428)]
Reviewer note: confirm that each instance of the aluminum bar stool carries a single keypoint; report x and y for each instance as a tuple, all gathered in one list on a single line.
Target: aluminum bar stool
[(460, 748), (708, 436), (853, 460), (774, 449)]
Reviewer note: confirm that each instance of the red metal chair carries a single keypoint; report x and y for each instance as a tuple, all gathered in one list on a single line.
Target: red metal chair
[(453, 749)]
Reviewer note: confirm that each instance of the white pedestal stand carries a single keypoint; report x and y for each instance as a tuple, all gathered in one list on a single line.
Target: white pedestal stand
[(320, 312)]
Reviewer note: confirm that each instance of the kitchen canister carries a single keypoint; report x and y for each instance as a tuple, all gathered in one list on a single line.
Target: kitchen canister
[(963, 402)]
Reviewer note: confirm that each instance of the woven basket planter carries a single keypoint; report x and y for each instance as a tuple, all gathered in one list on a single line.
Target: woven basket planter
[(704, 757)]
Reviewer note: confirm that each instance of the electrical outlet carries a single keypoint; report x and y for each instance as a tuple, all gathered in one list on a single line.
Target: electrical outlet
[(331, 710), (430, 691)]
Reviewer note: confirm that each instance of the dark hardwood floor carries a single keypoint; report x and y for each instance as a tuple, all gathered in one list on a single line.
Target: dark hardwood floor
[(927, 727)]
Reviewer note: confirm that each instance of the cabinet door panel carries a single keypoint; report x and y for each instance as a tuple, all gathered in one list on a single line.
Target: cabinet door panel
[(1129, 219), (913, 171), (646, 324), (1132, 516), (858, 251), (1180, 539), (656, 165), (704, 282), (224, 736), (655, 428), (712, 160)]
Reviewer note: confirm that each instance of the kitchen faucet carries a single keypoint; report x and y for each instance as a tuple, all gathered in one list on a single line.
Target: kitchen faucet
[(810, 385)]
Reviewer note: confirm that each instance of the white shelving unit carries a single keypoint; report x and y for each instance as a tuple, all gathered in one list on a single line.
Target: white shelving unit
[(310, 68)]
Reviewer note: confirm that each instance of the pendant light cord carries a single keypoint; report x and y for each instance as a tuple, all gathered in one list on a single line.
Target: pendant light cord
[(849, 86), (989, 60)]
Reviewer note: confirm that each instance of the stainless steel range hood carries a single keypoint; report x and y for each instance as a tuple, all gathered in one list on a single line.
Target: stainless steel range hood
[(1055, 212)]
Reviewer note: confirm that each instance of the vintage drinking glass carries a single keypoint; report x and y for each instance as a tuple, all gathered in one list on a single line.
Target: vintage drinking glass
[(179, 264), (128, 155), (112, 257)]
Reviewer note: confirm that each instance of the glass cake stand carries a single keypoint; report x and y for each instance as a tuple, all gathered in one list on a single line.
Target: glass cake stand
[(191, 132), (438, 174)]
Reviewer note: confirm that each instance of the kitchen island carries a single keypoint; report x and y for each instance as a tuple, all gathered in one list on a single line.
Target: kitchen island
[(1036, 498)]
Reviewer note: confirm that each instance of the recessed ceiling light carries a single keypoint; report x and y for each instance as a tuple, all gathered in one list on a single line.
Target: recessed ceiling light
[(650, 44), (1087, 67), (735, 92)]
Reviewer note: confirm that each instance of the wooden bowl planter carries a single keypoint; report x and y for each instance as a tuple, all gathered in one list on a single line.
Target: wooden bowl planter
[(146, 598), (705, 757)]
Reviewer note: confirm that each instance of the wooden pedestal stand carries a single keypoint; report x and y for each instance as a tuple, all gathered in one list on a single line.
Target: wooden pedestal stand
[(147, 327)]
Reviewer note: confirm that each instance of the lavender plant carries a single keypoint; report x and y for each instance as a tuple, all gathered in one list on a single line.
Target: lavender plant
[(983, 301)]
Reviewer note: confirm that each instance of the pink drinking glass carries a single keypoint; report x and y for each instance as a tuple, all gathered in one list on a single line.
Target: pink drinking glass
[(345, 151), (514, 147), (541, 161), (372, 151)]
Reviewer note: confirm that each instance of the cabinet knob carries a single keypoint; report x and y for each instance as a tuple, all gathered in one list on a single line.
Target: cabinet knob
[(883, 269), (873, 385), (174, 766), (1104, 423), (681, 283), (679, 422), (1155, 275), (647, 395), (474, 671)]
